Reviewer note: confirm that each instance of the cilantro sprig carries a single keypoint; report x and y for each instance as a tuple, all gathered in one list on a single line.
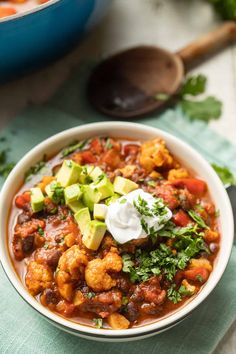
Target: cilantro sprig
[(226, 176), (73, 147)]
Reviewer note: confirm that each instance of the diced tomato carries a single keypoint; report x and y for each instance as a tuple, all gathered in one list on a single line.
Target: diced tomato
[(181, 218), (96, 146), (22, 199), (197, 274), (87, 157), (169, 195), (112, 158), (131, 149), (193, 185)]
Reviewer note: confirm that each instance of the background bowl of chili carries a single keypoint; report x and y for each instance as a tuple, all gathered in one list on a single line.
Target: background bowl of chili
[(186, 155), (35, 37)]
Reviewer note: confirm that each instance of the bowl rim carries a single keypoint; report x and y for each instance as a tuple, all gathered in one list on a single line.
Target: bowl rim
[(159, 325), (37, 8)]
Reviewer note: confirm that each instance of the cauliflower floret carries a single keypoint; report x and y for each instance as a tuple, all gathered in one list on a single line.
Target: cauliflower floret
[(190, 288), (200, 263), (155, 154), (96, 272), (177, 173), (38, 277), (70, 267)]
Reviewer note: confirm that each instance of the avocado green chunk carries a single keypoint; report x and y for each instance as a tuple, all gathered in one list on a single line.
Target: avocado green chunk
[(76, 206), (37, 199), (83, 218), (84, 177), (69, 173), (99, 211), (90, 196), (72, 193), (95, 173), (124, 185), (112, 199), (93, 234), (104, 186)]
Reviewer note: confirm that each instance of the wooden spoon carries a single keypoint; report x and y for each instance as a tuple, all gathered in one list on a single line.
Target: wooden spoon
[(126, 85)]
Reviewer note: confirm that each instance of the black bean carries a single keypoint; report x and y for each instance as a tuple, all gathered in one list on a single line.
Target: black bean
[(23, 217), (51, 296), (28, 244), (132, 311), (53, 258)]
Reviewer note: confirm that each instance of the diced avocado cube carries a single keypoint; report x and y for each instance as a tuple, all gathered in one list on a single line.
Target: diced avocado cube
[(99, 211), (83, 218), (112, 199), (84, 177), (104, 186), (55, 192), (72, 193), (93, 234), (76, 206), (95, 173), (69, 173), (124, 185), (37, 199), (90, 196)]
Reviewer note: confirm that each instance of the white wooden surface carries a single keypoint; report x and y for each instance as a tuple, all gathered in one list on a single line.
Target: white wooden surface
[(167, 23)]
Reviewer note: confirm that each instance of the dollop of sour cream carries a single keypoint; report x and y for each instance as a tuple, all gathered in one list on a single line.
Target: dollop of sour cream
[(136, 215)]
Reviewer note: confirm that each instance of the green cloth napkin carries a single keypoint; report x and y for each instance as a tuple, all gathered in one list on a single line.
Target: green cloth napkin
[(22, 330)]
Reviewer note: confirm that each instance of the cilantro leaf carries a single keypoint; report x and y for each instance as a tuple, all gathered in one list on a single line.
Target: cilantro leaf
[(33, 170), (173, 295), (225, 175), (205, 110), (73, 147), (226, 8), (194, 85), (197, 218)]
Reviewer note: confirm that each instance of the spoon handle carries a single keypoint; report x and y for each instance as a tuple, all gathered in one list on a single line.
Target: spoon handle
[(208, 44)]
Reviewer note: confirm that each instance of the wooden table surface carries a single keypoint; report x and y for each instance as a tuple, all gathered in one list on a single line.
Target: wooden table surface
[(167, 23)]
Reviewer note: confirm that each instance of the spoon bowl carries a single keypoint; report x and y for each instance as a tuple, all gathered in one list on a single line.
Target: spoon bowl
[(140, 80), (129, 82)]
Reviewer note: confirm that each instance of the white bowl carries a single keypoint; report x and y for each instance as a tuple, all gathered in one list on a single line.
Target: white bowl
[(134, 131)]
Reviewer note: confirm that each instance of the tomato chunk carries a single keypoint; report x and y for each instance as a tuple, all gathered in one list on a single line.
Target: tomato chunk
[(87, 157), (96, 146), (181, 218), (197, 274), (22, 199), (193, 185)]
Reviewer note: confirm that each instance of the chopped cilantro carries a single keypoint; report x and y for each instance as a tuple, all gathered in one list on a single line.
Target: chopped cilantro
[(173, 295), (73, 147), (41, 231), (5, 167), (188, 242), (197, 218), (123, 201), (58, 193), (184, 291), (108, 144), (46, 246), (199, 278), (90, 295), (226, 176), (33, 170), (124, 300), (98, 322)]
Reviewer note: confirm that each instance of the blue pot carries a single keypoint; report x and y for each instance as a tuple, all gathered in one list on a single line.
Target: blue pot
[(30, 40)]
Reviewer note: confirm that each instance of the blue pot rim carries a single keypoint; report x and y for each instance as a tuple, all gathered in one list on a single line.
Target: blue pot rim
[(37, 8)]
